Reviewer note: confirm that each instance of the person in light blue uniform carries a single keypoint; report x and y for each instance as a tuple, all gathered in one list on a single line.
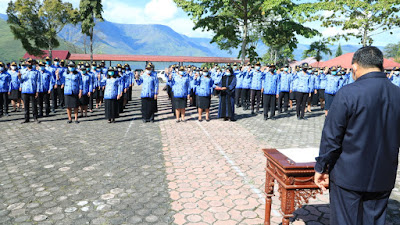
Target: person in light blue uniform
[(5, 89), (322, 85), (239, 84), (216, 76), (58, 92), (15, 95), (45, 87), (87, 89), (246, 85), (285, 80), (91, 71), (113, 91), (204, 88), (181, 90), (301, 85), (270, 89), (72, 84), (333, 84), (149, 93), (313, 90), (394, 76), (30, 80), (226, 89), (256, 83), (101, 77)]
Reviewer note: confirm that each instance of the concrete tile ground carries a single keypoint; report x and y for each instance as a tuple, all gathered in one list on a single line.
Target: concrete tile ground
[(154, 173)]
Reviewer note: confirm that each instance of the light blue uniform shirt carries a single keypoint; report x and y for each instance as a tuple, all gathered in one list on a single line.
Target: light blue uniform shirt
[(247, 77), (239, 78), (62, 71), (285, 81), (395, 79), (15, 82), (204, 86), (72, 83), (270, 84), (149, 86), (87, 83), (322, 81), (332, 84), (256, 80), (29, 81), (180, 86), (5, 82), (301, 82), (113, 88), (46, 81)]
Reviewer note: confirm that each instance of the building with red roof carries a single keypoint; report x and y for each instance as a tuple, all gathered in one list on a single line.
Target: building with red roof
[(345, 62), (61, 54)]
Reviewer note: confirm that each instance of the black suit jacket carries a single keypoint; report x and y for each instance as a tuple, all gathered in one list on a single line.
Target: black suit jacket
[(361, 136)]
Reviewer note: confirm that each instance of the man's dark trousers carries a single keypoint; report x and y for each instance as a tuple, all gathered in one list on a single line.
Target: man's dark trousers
[(357, 208)]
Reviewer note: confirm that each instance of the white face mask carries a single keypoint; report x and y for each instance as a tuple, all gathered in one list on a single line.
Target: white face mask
[(181, 72), (286, 69), (257, 68), (148, 72), (205, 73), (396, 72), (1, 68), (13, 67)]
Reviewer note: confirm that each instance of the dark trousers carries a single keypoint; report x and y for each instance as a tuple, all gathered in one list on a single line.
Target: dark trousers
[(301, 102), (269, 102), (3, 103), (27, 98), (357, 208), (285, 97), (238, 93), (255, 97), (91, 101), (54, 96), (60, 93), (44, 98), (245, 98)]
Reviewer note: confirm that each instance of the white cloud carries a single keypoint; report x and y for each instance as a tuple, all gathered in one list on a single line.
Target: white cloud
[(185, 26), (332, 31), (160, 10)]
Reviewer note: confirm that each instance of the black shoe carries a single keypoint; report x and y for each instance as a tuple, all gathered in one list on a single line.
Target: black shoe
[(233, 120), (208, 120), (6, 114), (15, 110), (26, 121), (37, 121), (69, 121), (143, 120), (304, 118), (177, 121), (272, 118), (76, 121), (252, 113), (265, 118), (53, 111), (298, 118)]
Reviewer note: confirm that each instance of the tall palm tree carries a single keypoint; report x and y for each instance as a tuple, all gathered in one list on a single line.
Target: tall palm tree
[(316, 50)]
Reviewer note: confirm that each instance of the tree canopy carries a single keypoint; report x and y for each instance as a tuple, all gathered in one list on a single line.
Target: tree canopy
[(316, 50)]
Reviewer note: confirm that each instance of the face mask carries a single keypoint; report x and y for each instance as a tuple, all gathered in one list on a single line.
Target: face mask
[(56, 63), (13, 67), (42, 68), (34, 67), (47, 62), (286, 69), (309, 71), (88, 69), (181, 72), (127, 69), (123, 71), (94, 68), (148, 72), (396, 72), (257, 68), (1, 68), (228, 73), (315, 73), (71, 69), (23, 67), (205, 73), (119, 69), (235, 68), (84, 71), (111, 73), (333, 72)]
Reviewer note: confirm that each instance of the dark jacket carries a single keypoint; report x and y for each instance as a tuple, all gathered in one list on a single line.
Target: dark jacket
[(361, 136)]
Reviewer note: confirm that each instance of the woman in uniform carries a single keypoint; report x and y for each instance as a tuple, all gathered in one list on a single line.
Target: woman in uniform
[(149, 94), (226, 89), (204, 89), (112, 93), (15, 95), (72, 84), (181, 92), (87, 87)]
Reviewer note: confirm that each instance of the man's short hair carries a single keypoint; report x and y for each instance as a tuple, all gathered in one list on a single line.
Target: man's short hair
[(368, 57)]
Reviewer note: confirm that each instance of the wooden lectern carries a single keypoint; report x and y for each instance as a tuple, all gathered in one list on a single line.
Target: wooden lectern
[(295, 180)]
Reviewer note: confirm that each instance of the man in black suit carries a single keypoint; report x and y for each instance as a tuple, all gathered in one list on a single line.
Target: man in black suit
[(360, 143)]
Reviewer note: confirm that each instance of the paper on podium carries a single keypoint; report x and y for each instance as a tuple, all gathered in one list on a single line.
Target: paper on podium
[(301, 155)]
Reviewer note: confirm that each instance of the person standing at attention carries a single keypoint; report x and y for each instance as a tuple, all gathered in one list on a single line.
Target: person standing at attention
[(360, 143)]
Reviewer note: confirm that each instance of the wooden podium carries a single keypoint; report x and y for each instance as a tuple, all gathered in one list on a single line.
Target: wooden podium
[(295, 180)]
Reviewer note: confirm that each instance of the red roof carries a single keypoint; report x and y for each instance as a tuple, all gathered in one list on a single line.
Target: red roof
[(345, 62), (152, 58), (61, 54)]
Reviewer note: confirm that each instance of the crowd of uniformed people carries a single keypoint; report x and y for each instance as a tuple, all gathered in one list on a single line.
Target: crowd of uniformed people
[(85, 87)]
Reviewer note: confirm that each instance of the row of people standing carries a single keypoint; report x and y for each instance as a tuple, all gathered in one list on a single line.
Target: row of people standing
[(36, 83)]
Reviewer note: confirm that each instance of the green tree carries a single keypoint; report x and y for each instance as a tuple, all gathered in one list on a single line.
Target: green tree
[(233, 20), (279, 56), (316, 50), (90, 12), (358, 18), (393, 51), (339, 51), (36, 23)]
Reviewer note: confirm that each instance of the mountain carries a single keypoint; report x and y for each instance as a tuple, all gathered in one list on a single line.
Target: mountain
[(138, 39), (12, 50)]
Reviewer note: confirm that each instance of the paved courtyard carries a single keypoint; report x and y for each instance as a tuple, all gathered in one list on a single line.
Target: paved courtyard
[(153, 173)]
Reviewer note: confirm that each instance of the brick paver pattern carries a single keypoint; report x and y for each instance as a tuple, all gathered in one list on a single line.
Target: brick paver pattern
[(154, 173)]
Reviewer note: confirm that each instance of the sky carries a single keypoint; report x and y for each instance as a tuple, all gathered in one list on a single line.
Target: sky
[(166, 12)]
